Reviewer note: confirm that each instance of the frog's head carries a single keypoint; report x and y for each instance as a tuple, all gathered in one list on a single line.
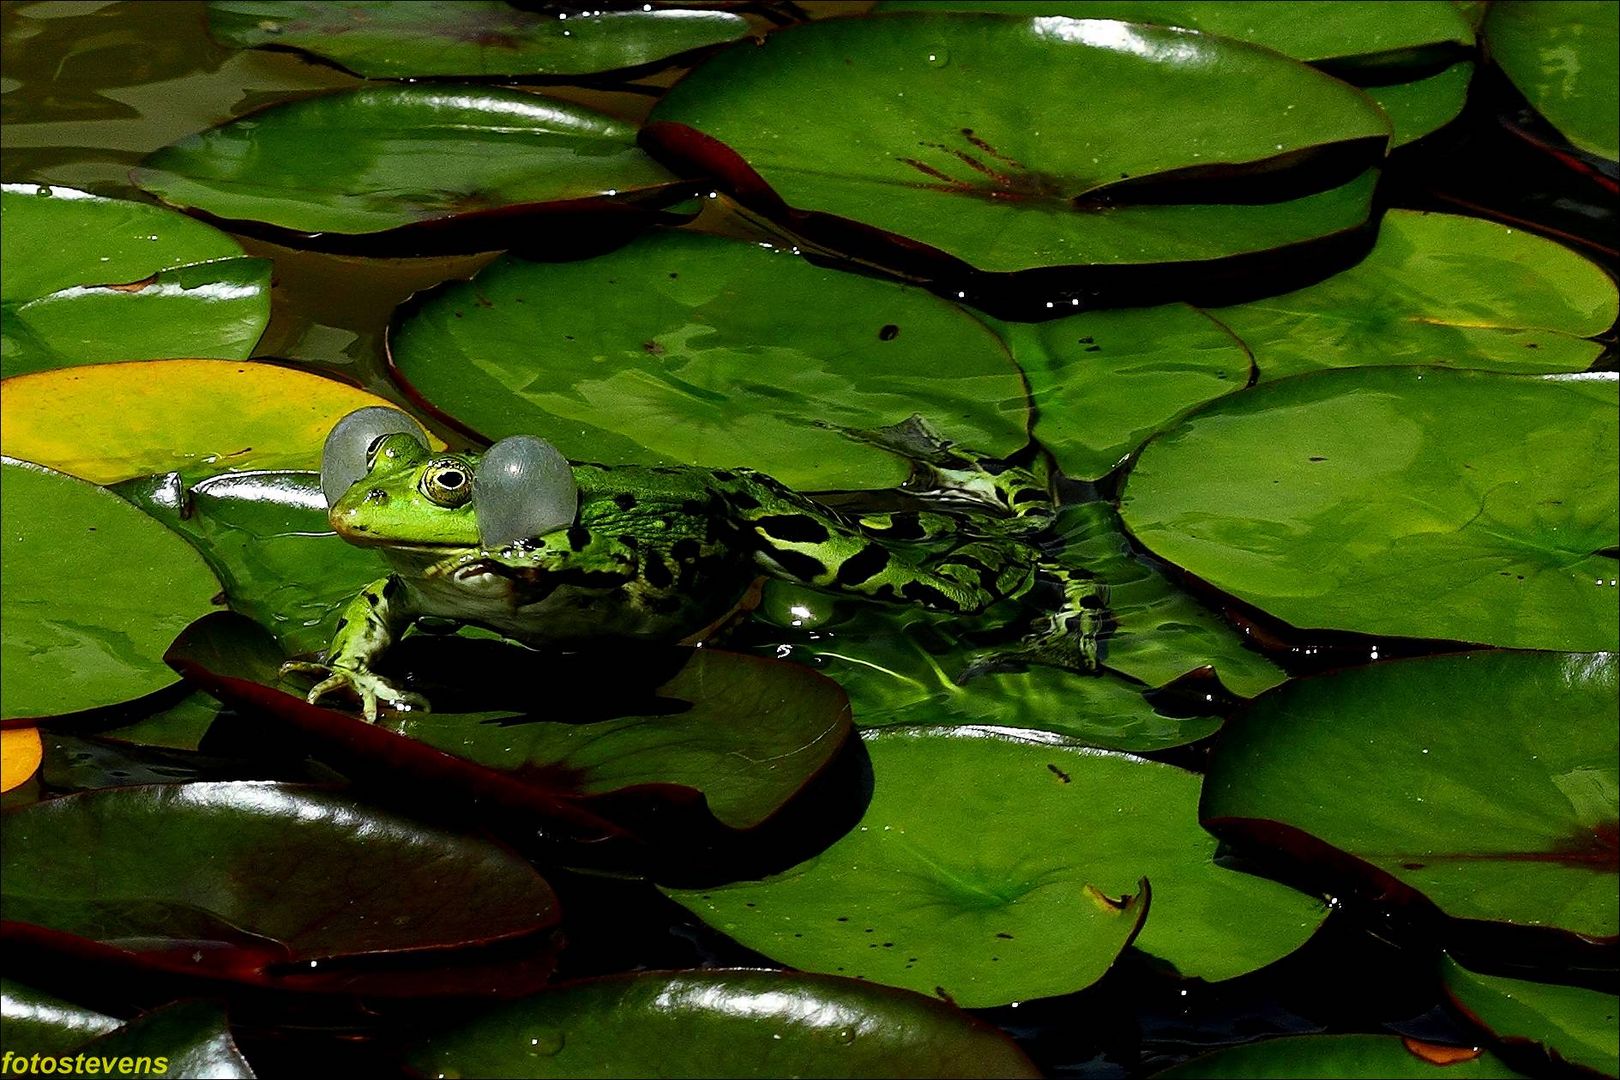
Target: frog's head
[(383, 486)]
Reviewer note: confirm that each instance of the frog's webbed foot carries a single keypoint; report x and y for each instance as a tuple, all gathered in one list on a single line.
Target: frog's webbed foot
[(363, 686)]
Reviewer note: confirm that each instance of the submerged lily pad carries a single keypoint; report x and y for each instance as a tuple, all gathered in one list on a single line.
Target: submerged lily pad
[(1098, 143), (87, 280), (1403, 501), (1438, 289), (383, 39), (1573, 1023), (114, 422), (93, 592), (1368, 44), (1103, 381), (965, 875), (234, 879), (720, 1023), (1561, 55), (267, 536), (1485, 781), (1342, 1057), (397, 156), (697, 350)]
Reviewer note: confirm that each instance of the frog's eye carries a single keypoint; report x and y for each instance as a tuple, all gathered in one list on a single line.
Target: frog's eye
[(524, 488), (347, 455), (447, 483)]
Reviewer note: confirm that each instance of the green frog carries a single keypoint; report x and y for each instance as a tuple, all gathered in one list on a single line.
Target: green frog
[(555, 554)]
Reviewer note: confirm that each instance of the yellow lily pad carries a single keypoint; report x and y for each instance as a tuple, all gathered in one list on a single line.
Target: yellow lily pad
[(112, 422), (20, 754)]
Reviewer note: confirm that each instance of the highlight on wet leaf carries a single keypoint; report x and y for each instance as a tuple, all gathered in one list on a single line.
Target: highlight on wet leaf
[(861, 131), (1443, 290), (1410, 56), (88, 280), (92, 590), (432, 156), (698, 350), (1483, 781), (41, 1023), (261, 881), (381, 39), (114, 422), (1404, 501), (963, 875), (719, 1023)]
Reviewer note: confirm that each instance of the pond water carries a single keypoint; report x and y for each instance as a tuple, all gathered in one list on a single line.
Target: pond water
[(1343, 525)]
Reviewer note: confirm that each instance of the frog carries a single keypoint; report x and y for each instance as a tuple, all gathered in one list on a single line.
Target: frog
[(557, 554)]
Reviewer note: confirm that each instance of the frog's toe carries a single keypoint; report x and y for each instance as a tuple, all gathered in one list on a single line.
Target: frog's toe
[(366, 688)]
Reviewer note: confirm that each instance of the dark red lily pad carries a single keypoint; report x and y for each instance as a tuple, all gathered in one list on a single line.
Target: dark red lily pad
[(258, 882)]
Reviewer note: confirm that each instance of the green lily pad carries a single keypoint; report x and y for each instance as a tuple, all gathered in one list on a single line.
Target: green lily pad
[(1366, 44), (1339, 1057), (93, 592), (1484, 781), (396, 156), (1423, 106), (746, 732), (88, 280), (1562, 57), (39, 1023), (1102, 382), (380, 39), (234, 879), (267, 537), (720, 1023), (691, 349), (191, 1037), (903, 669), (1443, 290), (1412, 501), (1170, 139), (180, 726), (1575, 1024), (965, 875)]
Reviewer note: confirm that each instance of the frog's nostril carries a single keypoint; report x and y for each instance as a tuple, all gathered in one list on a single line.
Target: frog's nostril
[(376, 497)]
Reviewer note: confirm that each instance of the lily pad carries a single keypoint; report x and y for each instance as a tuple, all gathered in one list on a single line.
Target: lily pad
[(964, 878), (381, 39), (1575, 1024), (1175, 146), (691, 349), (746, 732), (20, 753), (396, 156), (114, 422), (1102, 382), (39, 1023), (1484, 781), (267, 536), (720, 1023), (1443, 290), (88, 280), (238, 879), (1562, 57), (740, 734), (1339, 1057), (1417, 502), (191, 1037), (93, 592), (1369, 44)]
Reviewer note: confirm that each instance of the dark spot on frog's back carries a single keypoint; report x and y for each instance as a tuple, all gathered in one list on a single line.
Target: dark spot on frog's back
[(793, 528), (800, 565), (624, 501), (578, 538), (656, 571), (863, 565)]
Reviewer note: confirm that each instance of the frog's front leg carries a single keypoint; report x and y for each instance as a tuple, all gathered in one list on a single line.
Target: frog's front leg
[(371, 623)]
